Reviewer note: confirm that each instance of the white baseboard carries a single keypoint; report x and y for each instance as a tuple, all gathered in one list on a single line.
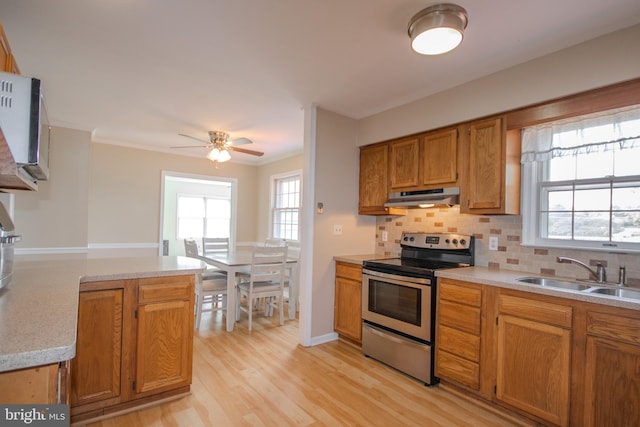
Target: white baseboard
[(84, 249), (333, 336)]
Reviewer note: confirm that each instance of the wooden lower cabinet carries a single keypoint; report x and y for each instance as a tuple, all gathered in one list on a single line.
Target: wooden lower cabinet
[(555, 361), (38, 385), (96, 369), (612, 374), (347, 319), (458, 333), (165, 336), (134, 344), (533, 368)]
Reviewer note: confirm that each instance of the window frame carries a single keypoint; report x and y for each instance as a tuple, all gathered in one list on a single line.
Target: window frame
[(204, 198), (532, 194), (274, 179)]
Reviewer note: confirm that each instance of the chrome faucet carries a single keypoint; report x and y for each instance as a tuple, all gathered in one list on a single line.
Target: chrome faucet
[(600, 274), (622, 276)]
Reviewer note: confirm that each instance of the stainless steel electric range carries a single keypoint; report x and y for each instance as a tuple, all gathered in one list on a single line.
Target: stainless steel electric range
[(399, 300)]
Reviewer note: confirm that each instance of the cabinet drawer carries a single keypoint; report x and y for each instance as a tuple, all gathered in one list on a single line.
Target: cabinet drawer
[(459, 316), (540, 311), (349, 271), (460, 294), (165, 289), (459, 343), (615, 327), (454, 368)]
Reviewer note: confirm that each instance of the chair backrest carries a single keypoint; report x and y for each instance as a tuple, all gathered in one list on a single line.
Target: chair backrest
[(214, 245), (191, 248), (269, 263), (275, 242)]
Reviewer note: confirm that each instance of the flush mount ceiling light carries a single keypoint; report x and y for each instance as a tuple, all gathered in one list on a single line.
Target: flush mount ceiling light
[(437, 29)]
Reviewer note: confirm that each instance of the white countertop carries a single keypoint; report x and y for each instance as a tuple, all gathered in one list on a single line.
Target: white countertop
[(507, 279), (39, 308), (358, 259)]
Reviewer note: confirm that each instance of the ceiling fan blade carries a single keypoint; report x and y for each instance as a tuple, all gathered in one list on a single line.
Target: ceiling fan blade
[(240, 141), (191, 146), (193, 137), (244, 150)]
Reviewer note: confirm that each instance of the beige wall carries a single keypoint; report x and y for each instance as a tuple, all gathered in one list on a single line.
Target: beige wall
[(125, 192), (609, 59), (56, 215), (336, 186), (108, 197)]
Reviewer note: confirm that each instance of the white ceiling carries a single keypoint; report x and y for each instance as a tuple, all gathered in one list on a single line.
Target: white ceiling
[(138, 72)]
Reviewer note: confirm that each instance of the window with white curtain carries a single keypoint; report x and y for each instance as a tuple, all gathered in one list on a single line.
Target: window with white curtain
[(285, 206), (581, 182)]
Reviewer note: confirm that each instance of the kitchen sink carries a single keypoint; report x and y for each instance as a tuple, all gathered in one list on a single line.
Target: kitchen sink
[(553, 283), (617, 292)]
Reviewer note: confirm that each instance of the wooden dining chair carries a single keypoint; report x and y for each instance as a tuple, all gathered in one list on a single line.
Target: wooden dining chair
[(265, 280), (211, 291)]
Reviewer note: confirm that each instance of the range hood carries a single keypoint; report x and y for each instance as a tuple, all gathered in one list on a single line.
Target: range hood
[(436, 197)]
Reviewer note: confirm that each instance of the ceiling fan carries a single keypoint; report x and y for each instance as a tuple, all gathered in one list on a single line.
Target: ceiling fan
[(219, 145)]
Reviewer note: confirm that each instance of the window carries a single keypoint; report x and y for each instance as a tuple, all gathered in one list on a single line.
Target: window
[(203, 217), (285, 210), (581, 182)]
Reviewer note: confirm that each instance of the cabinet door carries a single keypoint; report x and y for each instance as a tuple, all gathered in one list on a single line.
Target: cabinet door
[(440, 158), (533, 361), (96, 369), (486, 165), (164, 345), (348, 311), (405, 162), (374, 188)]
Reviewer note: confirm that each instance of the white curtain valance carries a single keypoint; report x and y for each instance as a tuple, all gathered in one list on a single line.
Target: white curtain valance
[(607, 131)]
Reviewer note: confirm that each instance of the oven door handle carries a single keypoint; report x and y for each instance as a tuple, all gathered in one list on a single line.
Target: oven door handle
[(419, 280)]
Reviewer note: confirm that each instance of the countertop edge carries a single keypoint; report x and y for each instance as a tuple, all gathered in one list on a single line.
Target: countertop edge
[(358, 259)]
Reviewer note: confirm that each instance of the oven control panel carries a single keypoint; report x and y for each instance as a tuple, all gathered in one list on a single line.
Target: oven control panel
[(436, 241)]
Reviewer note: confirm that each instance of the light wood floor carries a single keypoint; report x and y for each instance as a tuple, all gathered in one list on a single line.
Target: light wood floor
[(264, 378)]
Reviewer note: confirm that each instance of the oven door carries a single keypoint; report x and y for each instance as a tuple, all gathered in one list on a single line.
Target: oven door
[(399, 303)]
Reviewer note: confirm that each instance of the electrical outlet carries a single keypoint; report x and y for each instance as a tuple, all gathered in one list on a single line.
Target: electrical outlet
[(385, 236), (493, 243), (337, 229)]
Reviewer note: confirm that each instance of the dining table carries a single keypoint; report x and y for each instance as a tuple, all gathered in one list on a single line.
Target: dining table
[(239, 261)]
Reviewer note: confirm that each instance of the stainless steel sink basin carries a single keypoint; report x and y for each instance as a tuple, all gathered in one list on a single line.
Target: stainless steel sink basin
[(553, 283), (617, 292)]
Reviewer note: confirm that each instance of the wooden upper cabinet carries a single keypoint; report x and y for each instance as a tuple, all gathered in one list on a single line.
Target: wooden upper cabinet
[(7, 61), (440, 158), (405, 163), (492, 184), (374, 181)]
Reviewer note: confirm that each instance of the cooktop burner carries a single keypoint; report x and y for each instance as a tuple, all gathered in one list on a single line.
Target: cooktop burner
[(423, 253)]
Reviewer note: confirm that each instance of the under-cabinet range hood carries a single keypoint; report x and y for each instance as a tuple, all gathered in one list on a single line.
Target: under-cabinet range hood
[(436, 197)]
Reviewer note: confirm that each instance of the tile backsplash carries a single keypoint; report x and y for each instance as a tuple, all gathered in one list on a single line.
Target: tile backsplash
[(510, 254)]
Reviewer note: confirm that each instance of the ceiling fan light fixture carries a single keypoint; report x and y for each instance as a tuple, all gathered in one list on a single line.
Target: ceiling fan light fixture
[(437, 29), (224, 155)]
